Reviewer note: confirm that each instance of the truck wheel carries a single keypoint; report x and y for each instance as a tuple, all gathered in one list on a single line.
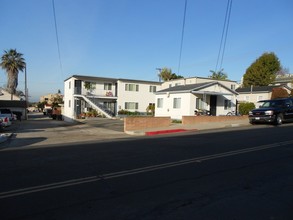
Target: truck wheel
[(279, 119)]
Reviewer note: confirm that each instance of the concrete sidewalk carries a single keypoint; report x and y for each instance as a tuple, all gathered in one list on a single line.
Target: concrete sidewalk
[(45, 131)]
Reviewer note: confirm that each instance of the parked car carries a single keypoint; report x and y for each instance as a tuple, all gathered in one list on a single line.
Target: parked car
[(5, 121), (5, 112), (274, 111)]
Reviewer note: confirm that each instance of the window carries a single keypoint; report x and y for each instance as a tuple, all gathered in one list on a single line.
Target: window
[(131, 105), (227, 104), (259, 98), (69, 103), (131, 87), (153, 88), (69, 84), (176, 102), (199, 104), (232, 87), (160, 103), (107, 86)]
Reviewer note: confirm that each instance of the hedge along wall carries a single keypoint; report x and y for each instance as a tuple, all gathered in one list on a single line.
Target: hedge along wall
[(139, 123), (188, 120)]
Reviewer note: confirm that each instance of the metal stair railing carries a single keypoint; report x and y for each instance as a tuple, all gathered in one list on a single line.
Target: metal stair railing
[(101, 106), (97, 106)]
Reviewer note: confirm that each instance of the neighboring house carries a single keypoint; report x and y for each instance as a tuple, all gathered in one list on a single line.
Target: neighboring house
[(15, 106), (184, 97), (284, 80), (257, 93), (4, 95), (106, 95), (50, 98)]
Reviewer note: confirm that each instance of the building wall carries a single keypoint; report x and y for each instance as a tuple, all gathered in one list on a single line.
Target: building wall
[(187, 105), (254, 97), (68, 113), (143, 97), (4, 95)]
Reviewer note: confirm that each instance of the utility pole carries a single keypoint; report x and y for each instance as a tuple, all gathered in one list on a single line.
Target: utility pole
[(160, 70), (25, 91)]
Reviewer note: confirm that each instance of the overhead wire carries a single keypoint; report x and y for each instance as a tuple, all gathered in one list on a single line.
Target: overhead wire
[(57, 36), (224, 35), (182, 37)]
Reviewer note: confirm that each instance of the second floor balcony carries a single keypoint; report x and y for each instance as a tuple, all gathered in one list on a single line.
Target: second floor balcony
[(95, 93)]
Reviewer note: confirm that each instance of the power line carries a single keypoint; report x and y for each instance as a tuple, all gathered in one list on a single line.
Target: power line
[(224, 35), (57, 38), (182, 37)]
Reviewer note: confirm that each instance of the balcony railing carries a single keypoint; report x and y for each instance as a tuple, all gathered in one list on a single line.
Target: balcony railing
[(95, 93)]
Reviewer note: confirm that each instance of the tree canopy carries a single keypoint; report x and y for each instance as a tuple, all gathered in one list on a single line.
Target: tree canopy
[(12, 62), (262, 71), (166, 74), (219, 75)]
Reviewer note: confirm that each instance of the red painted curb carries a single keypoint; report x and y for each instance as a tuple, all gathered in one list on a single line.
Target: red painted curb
[(150, 133)]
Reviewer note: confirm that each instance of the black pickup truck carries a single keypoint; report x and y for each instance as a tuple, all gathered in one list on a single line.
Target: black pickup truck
[(274, 111)]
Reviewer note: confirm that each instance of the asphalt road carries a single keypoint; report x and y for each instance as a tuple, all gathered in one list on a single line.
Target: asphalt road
[(241, 174)]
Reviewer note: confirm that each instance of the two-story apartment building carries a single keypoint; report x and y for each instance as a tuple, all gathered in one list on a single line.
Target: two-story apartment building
[(106, 95)]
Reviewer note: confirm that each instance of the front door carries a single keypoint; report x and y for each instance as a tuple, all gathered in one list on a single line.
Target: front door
[(213, 105)]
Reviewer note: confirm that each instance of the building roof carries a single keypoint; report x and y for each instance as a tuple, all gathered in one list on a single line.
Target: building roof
[(12, 104), (260, 89), (113, 80), (199, 77), (284, 79), (192, 87)]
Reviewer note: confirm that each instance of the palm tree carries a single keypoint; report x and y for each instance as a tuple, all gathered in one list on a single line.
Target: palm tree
[(219, 75), (12, 62), (165, 74)]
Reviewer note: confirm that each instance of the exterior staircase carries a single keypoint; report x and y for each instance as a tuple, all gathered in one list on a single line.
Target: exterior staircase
[(98, 106)]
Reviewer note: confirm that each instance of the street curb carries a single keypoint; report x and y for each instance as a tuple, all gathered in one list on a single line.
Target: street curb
[(158, 132), (151, 133)]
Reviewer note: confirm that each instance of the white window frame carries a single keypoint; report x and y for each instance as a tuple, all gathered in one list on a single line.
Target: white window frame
[(131, 105), (131, 87), (176, 103), (107, 86), (153, 88), (160, 102)]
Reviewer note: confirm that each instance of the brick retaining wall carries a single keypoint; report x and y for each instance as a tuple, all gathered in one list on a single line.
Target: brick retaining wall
[(139, 123), (188, 120)]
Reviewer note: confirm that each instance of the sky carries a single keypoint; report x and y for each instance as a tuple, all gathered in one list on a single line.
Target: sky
[(130, 39)]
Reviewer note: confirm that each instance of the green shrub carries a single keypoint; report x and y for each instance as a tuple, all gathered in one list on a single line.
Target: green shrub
[(125, 112), (244, 108)]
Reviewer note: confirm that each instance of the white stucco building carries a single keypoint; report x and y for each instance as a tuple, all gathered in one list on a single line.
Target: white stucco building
[(183, 97), (106, 95)]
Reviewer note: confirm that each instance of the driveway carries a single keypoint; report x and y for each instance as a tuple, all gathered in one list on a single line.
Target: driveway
[(42, 130)]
